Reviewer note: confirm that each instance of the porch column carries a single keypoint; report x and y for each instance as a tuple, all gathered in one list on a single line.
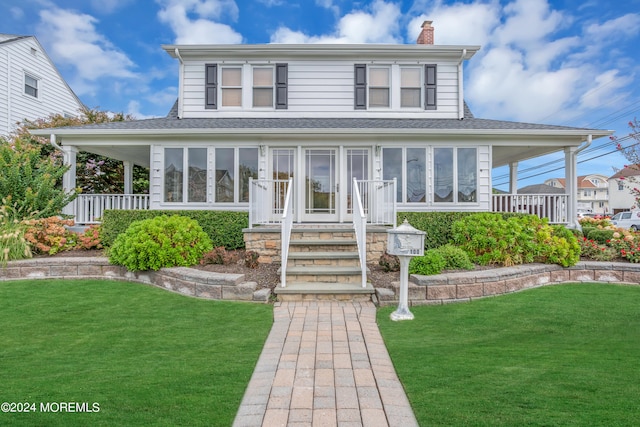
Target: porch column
[(571, 180), (69, 177), (513, 178), (128, 177)]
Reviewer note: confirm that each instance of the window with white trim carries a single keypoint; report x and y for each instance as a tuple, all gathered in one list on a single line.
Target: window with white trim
[(231, 86), (185, 174), (455, 175), (31, 86), (379, 87), (410, 87), (263, 87)]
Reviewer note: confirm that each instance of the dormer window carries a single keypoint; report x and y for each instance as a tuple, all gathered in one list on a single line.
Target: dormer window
[(231, 86), (30, 86), (263, 87)]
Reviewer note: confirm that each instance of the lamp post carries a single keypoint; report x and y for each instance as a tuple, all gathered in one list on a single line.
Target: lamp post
[(405, 242)]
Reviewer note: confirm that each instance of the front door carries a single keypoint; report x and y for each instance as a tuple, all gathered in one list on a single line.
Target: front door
[(321, 189)]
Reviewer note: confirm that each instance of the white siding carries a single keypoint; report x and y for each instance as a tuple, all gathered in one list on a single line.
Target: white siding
[(324, 89), (54, 96)]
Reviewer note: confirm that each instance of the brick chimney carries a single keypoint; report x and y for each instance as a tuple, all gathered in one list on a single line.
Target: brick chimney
[(426, 35)]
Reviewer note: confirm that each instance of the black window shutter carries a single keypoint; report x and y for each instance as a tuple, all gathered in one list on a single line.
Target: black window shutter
[(430, 80), (282, 96), (360, 87), (211, 86)]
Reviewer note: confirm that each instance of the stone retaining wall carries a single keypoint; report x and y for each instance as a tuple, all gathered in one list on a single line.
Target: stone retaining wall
[(466, 286), (183, 280)]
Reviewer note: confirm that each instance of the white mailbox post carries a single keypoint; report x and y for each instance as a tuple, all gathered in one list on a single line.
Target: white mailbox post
[(405, 242)]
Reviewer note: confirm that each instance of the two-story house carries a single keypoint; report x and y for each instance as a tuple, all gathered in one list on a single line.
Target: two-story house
[(30, 85), (592, 195), (621, 184), (323, 115), (323, 134)]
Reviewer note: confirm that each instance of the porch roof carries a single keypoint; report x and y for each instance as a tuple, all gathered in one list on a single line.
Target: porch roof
[(512, 141)]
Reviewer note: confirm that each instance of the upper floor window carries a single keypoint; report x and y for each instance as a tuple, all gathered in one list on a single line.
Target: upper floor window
[(379, 87), (231, 86), (620, 186), (30, 85), (223, 86), (410, 87), (373, 88), (263, 87)]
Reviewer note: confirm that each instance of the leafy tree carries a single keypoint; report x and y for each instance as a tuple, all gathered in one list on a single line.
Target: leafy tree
[(29, 181), (632, 154)]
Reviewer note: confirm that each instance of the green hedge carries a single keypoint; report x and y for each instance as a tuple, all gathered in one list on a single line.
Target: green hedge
[(437, 225), (223, 227)]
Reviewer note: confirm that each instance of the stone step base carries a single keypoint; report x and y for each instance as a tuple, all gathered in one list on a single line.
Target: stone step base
[(314, 291), (323, 259)]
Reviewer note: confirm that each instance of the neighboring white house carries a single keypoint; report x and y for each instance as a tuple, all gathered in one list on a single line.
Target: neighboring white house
[(30, 85), (620, 185), (323, 115), (592, 193)]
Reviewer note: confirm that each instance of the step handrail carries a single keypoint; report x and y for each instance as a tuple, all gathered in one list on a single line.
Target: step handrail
[(285, 233), (360, 227)]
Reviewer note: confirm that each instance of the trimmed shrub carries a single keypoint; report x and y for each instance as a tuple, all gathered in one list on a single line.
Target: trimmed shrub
[(600, 236), (438, 225), (163, 241), (455, 258), (251, 259), (224, 228), (432, 262), (218, 255), (488, 238)]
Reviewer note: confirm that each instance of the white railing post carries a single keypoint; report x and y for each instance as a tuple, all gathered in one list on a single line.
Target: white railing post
[(551, 206), (360, 227), (285, 233), (251, 197)]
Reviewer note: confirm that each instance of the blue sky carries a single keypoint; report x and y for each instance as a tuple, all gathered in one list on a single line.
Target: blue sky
[(566, 62)]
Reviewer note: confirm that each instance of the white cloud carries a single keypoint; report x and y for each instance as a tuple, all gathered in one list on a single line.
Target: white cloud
[(202, 28), (133, 108), (16, 13), (465, 24), (380, 24), (72, 40), (527, 69), (614, 29), (108, 6)]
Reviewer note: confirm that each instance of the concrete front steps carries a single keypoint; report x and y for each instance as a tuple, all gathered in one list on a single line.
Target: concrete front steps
[(323, 264)]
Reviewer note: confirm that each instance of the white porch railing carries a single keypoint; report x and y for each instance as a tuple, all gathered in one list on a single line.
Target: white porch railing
[(360, 227), (88, 208), (555, 207), (266, 200), (378, 201), (285, 232)]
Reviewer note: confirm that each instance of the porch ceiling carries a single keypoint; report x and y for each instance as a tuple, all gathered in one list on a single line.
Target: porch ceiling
[(137, 154), (503, 155)]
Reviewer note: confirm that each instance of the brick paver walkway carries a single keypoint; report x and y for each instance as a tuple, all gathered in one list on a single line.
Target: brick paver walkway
[(324, 364)]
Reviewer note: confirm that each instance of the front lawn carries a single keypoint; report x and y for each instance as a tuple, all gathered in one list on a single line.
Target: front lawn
[(558, 355), (144, 355)]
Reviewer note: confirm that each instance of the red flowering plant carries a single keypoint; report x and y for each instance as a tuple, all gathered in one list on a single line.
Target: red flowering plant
[(629, 176), (597, 252)]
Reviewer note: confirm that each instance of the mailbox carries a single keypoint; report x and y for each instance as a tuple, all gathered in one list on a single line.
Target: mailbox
[(405, 240)]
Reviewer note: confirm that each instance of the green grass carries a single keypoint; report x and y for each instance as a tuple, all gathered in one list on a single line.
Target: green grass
[(146, 356), (554, 356)]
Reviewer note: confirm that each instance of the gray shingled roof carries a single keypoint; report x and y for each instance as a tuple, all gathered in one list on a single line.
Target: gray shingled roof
[(172, 122)]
